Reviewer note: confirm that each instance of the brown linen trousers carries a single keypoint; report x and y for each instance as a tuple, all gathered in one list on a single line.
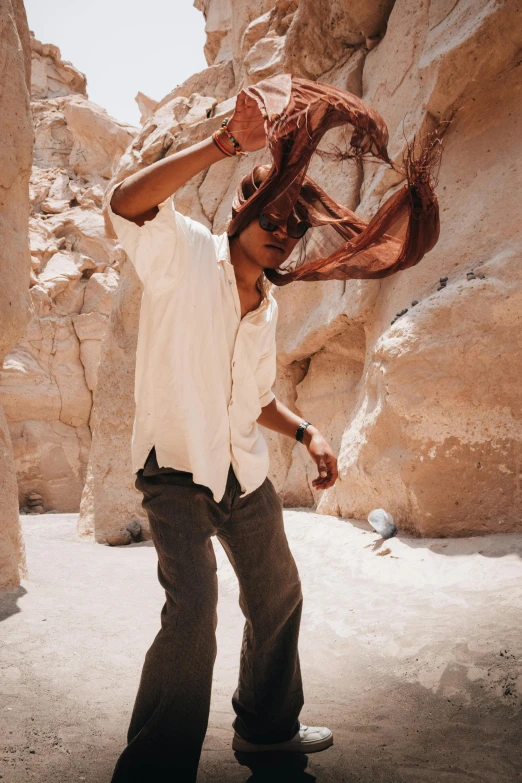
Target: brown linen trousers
[(171, 711)]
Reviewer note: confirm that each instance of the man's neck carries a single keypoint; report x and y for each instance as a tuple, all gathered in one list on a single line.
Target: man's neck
[(246, 270)]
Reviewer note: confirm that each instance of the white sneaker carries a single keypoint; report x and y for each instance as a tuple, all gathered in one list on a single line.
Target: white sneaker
[(309, 739)]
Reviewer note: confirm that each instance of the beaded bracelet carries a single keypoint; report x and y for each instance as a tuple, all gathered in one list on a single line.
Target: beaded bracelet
[(233, 141)]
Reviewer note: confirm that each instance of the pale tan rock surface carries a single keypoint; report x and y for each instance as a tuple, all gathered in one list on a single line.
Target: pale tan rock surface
[(225, 23), (146, 106), (322, 31), (425, 413), (217, 81), (436, 429), (16, 143), (52, 77), (48, 377), (98, 140)]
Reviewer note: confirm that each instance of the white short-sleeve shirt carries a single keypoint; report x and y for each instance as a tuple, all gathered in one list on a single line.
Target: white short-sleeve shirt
[(203, 373)]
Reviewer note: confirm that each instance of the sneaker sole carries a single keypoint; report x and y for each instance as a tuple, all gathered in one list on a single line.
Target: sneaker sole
[(241, 745)]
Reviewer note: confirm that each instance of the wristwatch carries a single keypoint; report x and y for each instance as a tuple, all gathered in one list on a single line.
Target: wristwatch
[(300, 430)]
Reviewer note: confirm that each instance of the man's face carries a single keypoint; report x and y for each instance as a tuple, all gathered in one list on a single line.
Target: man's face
[(269, 249)]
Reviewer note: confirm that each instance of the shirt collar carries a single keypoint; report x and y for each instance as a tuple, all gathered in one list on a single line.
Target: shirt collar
[(223, 254), (223, 247)]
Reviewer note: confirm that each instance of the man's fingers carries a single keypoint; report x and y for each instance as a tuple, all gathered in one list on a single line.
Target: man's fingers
[(321, 480), (327, 466)]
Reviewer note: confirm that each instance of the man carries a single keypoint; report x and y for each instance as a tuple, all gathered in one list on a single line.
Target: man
[(205, 366)]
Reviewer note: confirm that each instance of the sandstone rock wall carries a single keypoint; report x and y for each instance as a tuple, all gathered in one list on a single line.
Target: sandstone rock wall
[(48, 377), (16, 142), (424, 411)]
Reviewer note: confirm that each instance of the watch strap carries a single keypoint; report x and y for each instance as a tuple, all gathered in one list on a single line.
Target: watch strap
[(300, 430)]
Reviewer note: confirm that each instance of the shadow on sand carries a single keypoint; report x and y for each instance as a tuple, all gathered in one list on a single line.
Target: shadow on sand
[(8, 601), (489, 544), (276, 767)]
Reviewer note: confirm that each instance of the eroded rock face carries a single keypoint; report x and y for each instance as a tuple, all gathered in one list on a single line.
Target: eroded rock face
[(52, 77), (16, 142), (49, 376), (322, 32), (436, 431), (146, 105), (227, 22), (424, 412)]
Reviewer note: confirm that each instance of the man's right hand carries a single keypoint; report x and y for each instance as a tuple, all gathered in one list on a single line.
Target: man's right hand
[(139, 195), (247, 124)]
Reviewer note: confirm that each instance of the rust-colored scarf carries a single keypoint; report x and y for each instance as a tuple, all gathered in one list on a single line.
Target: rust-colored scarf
[(297, 113)]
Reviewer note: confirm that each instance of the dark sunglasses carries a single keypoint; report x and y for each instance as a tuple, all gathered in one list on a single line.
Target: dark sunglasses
[(295, 228)]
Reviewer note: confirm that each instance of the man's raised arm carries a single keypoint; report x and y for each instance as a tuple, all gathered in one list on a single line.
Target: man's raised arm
[(138, 196)]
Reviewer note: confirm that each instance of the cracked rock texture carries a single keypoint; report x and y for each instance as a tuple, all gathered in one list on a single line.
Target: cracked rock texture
[(16, 144), (48, 377), (423, 408)]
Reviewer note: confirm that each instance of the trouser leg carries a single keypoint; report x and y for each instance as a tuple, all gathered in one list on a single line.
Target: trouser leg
[(170, 715), (269, 695)]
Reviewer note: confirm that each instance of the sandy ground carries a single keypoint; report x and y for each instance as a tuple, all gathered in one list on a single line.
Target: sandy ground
[(411, 652)]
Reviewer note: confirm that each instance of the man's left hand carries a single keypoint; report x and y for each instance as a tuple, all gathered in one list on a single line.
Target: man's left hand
[(324, 458)]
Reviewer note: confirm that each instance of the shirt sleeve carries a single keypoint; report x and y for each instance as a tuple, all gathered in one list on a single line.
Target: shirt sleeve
[(267, 366), (158, 250)]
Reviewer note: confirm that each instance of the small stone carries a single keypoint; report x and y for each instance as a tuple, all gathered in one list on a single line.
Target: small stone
[(441, 287), (481, 277), (34, 496), (121, 538), (37, 510), (415, 302), (382, 522), (134, 529), (443, 280)]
